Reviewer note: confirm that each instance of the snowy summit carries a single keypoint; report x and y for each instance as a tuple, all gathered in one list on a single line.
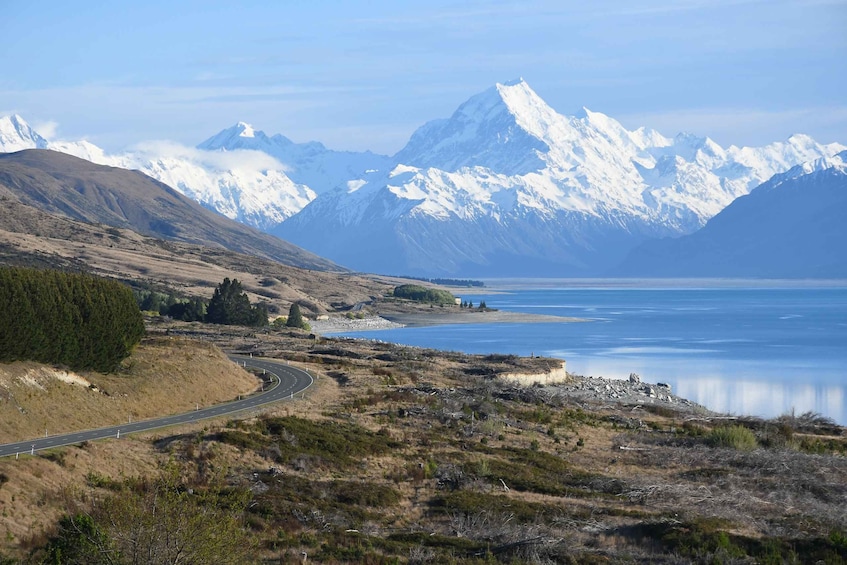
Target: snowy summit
[(504, 186)]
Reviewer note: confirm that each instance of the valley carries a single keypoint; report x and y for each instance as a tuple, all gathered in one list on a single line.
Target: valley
[(544, 283)]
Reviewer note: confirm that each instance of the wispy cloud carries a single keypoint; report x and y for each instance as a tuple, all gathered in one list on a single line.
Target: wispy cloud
[(239, 159), (46, 129)]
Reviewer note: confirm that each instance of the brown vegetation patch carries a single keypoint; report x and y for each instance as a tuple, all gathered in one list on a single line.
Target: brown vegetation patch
[(398, 454)]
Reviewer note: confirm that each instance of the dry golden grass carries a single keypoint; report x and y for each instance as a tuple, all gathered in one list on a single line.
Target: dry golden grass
[(40, 489), (165, 375), (551, 468), (31, 237)]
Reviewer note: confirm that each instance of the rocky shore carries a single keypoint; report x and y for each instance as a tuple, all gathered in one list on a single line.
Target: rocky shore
[(341, 324), (629, 391), (594, 390)]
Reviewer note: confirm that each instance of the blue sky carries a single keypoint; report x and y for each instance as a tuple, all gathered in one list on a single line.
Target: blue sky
[(363, 75)]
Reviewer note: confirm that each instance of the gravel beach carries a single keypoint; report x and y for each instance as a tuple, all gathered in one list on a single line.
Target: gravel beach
[(342, 324)]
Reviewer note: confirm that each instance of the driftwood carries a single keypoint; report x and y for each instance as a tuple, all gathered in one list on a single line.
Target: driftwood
[(627, 448)]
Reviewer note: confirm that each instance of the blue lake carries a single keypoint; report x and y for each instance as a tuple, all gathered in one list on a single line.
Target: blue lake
[(763, 348)]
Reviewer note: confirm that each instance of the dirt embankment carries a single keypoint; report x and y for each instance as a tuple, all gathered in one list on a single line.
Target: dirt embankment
[(165, 375)]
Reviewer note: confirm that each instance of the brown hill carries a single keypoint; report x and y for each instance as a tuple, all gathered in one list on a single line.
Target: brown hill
[(61, 184), (31, 237)]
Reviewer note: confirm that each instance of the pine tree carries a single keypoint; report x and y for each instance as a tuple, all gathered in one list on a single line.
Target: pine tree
[(295, 318), (230, 305)]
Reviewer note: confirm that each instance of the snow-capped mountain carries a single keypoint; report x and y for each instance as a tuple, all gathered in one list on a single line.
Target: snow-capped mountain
[(16, 135), (244, 185), (507, 186), (309, 164), (792, 226)]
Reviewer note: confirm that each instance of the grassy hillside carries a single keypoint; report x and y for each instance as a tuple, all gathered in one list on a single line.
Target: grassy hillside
[(405, 455), (164, 375), (78, 189), (31, 237)]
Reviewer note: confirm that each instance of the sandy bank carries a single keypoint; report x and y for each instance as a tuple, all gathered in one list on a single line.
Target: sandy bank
[(342, 324)]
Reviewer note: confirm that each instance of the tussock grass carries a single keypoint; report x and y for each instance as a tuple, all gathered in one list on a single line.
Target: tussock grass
[(306, 444), (734, 437), (376, 472)]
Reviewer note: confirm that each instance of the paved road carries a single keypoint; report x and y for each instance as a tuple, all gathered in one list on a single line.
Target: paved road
[(287, 381)]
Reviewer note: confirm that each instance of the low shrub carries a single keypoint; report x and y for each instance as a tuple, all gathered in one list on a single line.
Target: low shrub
[(734, 437)]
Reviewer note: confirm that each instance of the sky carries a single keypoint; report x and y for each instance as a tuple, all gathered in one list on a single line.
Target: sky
[(359, 75)]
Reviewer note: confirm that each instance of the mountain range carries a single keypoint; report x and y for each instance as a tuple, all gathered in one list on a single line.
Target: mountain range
[(791, 226), (507, 186), (504, 186), (244, 181)]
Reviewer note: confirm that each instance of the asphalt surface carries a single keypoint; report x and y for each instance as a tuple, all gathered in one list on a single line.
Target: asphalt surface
[(286, 381)]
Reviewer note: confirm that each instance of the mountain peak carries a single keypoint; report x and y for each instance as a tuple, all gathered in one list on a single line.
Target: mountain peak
[(501, 128), (17, 135), (514, 82), (519, 96), (240, 136), (244, 129)]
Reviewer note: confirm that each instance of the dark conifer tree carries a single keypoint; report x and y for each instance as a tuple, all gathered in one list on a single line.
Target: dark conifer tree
[(230, 305), (295, 317)]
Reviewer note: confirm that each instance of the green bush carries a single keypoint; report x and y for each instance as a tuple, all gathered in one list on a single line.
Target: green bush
[(735, 437), (420, 293)]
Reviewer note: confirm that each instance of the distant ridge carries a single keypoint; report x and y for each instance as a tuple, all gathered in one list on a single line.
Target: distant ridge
[(310, 164), (792, 226), (62, 184)]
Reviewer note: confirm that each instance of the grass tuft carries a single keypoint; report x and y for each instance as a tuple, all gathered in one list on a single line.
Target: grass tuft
[(734, 437)]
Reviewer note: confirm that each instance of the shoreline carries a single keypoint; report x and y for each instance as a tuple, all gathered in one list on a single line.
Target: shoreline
[(339, 324)]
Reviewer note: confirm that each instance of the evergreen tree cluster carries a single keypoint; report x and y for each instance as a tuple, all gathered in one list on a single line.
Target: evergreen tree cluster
[(187, 310), (77, 320), (446, 282), (420, 293), (231, 306)]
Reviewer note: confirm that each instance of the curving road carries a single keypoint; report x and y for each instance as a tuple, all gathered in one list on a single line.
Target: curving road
[(286, 382)]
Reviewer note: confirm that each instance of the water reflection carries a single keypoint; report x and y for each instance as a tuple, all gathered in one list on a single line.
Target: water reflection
[(706, 382), (767, 399)]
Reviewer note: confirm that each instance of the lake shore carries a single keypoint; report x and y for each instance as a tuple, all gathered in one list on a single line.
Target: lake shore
[(392, 320)]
